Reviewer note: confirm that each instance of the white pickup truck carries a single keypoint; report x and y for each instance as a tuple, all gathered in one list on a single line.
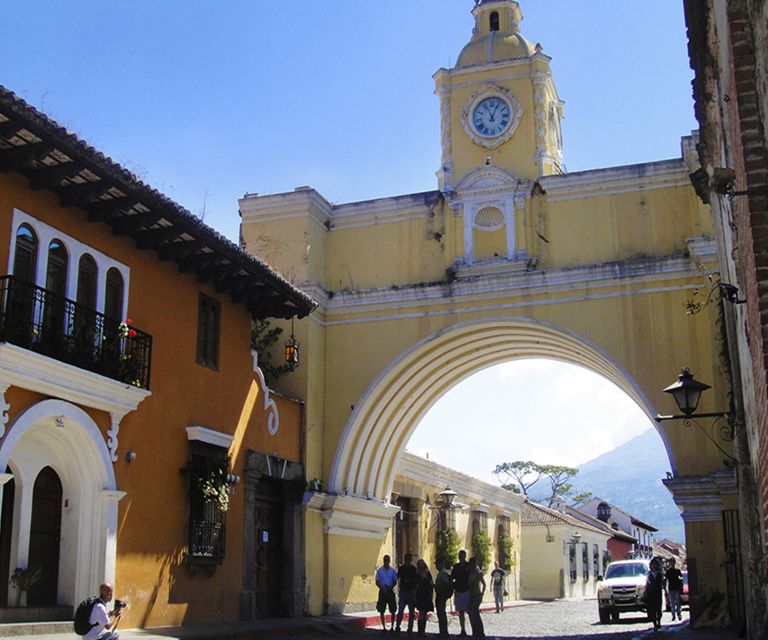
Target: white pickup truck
[(622, 588)]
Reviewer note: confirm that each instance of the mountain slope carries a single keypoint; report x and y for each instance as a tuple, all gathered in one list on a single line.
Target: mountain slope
[(630, 478)]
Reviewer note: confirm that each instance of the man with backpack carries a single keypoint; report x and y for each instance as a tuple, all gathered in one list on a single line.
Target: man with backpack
[(93, 621)]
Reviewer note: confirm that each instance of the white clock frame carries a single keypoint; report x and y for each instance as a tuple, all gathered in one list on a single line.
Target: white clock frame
[(488, 91)]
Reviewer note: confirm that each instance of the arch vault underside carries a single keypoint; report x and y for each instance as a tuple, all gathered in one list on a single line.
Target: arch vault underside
[(393, 405)]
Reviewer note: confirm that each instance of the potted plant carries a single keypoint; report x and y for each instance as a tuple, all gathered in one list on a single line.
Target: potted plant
[(23, 580)]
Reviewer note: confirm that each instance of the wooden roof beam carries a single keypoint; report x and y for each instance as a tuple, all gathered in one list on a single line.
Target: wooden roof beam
[(179, 249), (227, 281), (16, 158), (102, 210), (10, 128), (130, 224), (198, 261), (152, 238), (78, 195), (214, 271), (46, 177)]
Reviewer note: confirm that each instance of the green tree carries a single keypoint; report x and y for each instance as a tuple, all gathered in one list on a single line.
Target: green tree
[(520, 475), (559, 481)]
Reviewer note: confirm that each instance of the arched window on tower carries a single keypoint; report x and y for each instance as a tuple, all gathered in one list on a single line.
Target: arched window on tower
[(494, 20)]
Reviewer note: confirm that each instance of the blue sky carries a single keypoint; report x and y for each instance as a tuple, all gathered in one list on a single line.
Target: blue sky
[(208, 100)]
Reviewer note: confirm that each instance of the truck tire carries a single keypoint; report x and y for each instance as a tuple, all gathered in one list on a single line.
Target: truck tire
[(605, 616), (615, 616)]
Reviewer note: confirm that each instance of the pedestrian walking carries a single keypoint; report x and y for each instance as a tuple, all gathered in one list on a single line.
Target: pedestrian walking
[(654, 585), (406, 592), (386, 579), (424, 587), (443, 591), (674, 578), (476, 593), (497, 584), (460, 579)]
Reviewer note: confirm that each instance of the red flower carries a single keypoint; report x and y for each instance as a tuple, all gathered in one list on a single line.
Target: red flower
[(128, 321), (131, 333)]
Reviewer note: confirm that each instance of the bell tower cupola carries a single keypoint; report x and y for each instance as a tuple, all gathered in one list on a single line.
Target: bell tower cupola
[(498, 104)]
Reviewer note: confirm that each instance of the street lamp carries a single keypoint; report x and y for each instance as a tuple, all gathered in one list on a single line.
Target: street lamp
[(447, 496), (686, 391), (292, 351)]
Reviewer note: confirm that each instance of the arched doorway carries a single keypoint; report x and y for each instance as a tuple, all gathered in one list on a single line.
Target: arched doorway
[(45, 537), (56, 452)]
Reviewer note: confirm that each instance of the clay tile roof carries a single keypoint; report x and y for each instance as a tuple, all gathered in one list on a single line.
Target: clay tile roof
[(534, 514), (55, 159)]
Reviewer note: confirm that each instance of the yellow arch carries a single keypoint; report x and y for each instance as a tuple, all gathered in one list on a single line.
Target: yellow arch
[(393, 405)]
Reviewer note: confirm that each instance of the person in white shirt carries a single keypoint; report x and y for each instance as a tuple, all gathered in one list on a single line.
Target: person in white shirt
[(103, 621)]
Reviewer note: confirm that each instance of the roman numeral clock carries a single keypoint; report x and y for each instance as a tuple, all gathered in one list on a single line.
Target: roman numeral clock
[(491, 116)]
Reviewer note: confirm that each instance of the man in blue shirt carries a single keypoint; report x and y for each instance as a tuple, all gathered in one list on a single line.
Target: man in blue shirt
[(386, 579)]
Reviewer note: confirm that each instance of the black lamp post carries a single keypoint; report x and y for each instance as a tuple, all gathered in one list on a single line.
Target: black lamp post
[(687, 392)]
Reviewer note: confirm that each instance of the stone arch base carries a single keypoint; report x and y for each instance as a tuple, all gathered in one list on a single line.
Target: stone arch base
[(391, 408), (59, 434)]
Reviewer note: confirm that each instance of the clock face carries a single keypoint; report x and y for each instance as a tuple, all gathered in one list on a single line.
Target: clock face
[(491, 116)]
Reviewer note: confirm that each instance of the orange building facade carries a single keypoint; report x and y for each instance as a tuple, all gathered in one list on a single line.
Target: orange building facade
[(139, 443)]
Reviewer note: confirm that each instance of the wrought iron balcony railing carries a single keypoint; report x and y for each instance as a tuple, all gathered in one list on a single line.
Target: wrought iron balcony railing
[(37, 319)]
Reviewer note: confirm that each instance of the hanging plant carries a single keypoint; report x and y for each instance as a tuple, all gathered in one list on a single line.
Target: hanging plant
[(212, 481)]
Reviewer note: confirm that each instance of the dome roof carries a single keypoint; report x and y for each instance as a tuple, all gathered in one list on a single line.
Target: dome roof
[(494, 47)]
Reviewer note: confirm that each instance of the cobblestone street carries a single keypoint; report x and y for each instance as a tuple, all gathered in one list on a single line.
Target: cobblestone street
[(571, 619)]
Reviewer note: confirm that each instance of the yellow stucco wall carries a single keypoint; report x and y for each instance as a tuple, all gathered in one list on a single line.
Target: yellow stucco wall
[(152, 518), (605, 266)]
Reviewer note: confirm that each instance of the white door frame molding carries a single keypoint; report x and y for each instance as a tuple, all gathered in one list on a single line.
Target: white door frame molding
[(60, 435)]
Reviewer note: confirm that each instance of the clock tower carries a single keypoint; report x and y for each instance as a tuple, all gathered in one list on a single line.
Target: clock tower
[(498, 106)]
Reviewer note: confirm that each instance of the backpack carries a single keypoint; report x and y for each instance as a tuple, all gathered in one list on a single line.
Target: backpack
[(83, 616)]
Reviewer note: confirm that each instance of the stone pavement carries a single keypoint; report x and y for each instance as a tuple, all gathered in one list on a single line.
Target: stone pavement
[(521, 620)]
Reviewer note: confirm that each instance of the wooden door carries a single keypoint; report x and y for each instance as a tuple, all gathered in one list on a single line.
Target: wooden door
[(267, 551), (45, 537), (6, 530)]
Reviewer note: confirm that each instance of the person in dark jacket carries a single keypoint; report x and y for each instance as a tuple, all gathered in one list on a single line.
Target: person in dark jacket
[(460, 579), (443, 591), (674, 579), (406, 582), (654, 585), (424, 587), (476, 592)]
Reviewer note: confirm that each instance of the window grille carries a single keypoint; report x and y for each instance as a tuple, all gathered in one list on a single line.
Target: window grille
[(207, 519)]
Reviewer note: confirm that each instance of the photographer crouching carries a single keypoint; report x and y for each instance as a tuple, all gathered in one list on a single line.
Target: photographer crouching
[(92, 619)]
